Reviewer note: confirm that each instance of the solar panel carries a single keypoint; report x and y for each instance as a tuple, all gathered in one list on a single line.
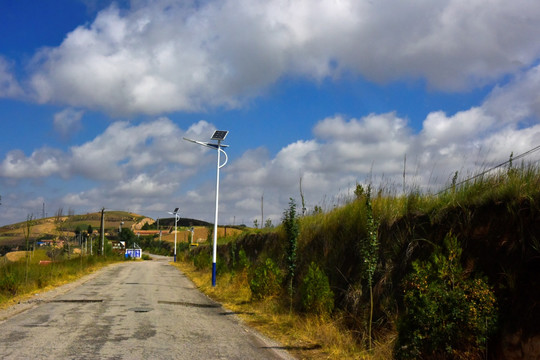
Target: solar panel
[(219, 135), (175, 210)]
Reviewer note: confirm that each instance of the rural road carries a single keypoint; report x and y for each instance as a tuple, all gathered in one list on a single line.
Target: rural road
[(130, 310)]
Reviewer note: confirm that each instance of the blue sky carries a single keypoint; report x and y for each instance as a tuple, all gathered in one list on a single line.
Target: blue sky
[(95, 97)]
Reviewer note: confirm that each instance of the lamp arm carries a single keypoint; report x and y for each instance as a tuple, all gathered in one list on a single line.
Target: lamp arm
[(226, 157)]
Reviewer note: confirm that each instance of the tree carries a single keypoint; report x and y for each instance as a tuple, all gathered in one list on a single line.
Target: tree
[(27, 230), (268, 223), (368, 248), (128, 237), (292, 229)]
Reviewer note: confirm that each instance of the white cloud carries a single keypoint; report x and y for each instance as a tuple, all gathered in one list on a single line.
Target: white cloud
[(162, 56), (122, 150), (68, 121), (517, 101), (9, 86), (145, 165), (42, 163), (143, 186)]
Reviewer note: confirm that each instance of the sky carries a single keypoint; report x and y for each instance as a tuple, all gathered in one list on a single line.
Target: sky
[(96, 97)]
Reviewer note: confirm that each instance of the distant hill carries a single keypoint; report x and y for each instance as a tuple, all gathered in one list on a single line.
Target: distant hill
[(12, 236), (183, 222)]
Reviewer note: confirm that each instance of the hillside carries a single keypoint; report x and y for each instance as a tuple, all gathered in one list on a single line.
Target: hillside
[(455, 275), (12, 236)]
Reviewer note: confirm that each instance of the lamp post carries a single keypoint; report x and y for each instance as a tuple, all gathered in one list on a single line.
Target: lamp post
[(219, 136), (176, 217)]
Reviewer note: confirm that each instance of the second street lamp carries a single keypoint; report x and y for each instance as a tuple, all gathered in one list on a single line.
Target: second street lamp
[(219, 136), (176, 217)]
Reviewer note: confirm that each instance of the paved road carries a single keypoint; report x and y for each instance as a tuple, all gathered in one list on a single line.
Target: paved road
[(131, 310)]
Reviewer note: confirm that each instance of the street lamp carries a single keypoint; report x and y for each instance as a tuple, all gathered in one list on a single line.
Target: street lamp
[(176, 217), (219, 136)]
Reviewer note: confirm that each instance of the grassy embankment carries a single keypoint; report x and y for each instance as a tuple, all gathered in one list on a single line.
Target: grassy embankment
[(23, 277), (496, 222)]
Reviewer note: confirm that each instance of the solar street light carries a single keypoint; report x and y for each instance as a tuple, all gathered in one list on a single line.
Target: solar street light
[(176, 218), (219, 136)]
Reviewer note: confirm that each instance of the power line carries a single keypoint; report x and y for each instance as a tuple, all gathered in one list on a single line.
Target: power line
[(493, 168)]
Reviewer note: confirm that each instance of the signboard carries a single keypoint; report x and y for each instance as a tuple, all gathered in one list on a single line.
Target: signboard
[(134, 253)]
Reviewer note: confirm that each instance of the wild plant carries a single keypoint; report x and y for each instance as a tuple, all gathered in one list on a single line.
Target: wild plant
[(292, 229), (316, 295), (448, 313)]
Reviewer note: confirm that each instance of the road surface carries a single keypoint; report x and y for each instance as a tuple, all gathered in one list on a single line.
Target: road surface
[(130, 310)]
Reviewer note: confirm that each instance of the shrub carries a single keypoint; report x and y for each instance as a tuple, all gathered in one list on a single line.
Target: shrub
[(315, 292), (448, 315), (265, 280), (9, 284), (243, 261), (146, 257), (292, 229), (202, 260)]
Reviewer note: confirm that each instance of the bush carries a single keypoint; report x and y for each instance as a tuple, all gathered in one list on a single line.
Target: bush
[(447, 315), (243, 261), (266, 280), (202, 260), (8, 283), (315, 292), (146, 257)]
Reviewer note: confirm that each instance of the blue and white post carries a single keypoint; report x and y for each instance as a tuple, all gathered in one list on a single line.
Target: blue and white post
[(176, 218), (214, 251), (219, 135)]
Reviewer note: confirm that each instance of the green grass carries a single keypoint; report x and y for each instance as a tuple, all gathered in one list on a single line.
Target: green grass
[(17, 279), (494, 218)]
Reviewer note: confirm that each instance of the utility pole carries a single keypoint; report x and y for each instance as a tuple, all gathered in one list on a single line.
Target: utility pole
[(262, 210), (102, 230)]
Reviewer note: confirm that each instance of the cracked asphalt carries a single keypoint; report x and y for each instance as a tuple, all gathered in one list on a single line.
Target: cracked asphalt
[(130, 310)]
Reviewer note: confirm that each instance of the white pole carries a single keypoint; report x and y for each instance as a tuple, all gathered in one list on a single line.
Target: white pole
[(214, 253), (175, 225)]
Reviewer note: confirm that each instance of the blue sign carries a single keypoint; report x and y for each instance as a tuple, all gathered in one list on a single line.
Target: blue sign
[(134, 253)]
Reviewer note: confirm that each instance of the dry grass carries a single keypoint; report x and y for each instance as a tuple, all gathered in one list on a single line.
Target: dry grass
[(15, 255), (304, 336), (200, 234)]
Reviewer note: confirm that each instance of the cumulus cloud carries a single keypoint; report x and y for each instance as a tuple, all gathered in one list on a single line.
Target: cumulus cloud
[(379, 148), (67, 122), (143, 186), (162, 56), (145, 165), (9, 86), (122, 150), (42, 163)]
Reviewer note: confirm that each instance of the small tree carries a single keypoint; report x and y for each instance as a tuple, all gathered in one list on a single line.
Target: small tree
[(448, 314), (27, 230), (368, 248), (265, 280), (128, 237), (316, 295), (292, 229)]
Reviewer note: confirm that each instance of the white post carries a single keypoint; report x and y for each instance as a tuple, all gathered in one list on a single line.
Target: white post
[(214, 253), (219, 135), (175, 225)]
